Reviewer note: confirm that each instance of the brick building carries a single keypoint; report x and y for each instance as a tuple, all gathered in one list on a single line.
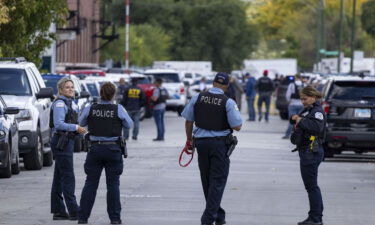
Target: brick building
[(76, 46)]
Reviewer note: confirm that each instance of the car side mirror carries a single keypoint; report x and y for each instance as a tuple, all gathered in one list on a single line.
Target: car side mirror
[(45, 93), (11, 110), (186, 83), (84, 94)]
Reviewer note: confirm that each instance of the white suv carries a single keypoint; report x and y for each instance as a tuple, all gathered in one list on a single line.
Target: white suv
[(173, 83), (22, 86)]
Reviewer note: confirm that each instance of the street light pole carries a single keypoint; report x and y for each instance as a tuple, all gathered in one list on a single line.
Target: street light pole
[(340, 36), (127, 10), (353, 35)]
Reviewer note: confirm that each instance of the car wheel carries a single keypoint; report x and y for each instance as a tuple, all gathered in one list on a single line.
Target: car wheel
[(16, 167), (34, 159), (328, 152), (48, 159), (179, 110), (7, 171), (284, 115)]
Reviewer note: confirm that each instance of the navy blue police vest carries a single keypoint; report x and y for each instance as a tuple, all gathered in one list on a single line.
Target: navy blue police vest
[(103, 120), (210, 112)]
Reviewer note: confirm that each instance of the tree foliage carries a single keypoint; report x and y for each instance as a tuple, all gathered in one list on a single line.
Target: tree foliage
[(287, 32), (214, 30), (147, 44), (368, 17), (27, 31)]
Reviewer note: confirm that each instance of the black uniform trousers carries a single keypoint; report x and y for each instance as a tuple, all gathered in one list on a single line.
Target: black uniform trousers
[(63, 184), (309, 164), (108, 157), (214, 169)]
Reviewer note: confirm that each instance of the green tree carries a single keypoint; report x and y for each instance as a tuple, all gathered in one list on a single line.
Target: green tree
[(27, 31), (3, 16), (368, 17), (214, 30), (147, 44)]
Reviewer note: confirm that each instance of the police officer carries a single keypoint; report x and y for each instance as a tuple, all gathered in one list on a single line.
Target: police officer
[(64, 124), (105, 122), (308, 135), (133, 100), (265, 88), (210, 139)]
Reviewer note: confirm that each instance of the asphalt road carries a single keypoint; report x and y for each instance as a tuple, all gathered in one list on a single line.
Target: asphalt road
[(264, 186)]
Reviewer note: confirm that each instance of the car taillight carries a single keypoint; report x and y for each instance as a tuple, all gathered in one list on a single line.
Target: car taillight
[(182, 90), (325, 106)]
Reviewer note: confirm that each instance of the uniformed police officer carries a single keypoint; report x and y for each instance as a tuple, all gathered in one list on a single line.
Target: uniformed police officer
[(64, 124), (105, 122), (308, 135), (133, 99), (210, 139)]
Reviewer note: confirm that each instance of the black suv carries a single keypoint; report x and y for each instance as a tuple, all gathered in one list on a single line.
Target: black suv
[(349, 102)]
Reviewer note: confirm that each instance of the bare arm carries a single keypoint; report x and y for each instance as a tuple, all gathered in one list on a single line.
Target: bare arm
[(189, 130)]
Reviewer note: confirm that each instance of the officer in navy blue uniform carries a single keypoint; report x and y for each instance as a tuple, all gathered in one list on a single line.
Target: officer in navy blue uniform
[(210, 139), (105, 122), (64, 124), (308, 135)]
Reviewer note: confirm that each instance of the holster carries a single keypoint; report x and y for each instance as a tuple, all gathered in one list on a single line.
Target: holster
[(231, 142), (63, 139), (86, 143), (124, 149)]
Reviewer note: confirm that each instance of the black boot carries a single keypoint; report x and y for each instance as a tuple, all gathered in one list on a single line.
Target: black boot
[(309, 221)]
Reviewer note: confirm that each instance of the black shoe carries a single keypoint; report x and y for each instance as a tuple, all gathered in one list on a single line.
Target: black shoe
[(73, 218), (309, 221), (158, 139), (207, 224), (285, 137), (134, 138), (220, 222), (82, 222), (260, 118), (60, 216), (116, 222)]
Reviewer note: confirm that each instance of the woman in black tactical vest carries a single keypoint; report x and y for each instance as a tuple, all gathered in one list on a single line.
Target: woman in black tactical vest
[(64, 124), (308, 135)]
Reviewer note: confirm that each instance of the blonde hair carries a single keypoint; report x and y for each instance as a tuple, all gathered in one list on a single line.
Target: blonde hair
[(61, 83), (311, 92)]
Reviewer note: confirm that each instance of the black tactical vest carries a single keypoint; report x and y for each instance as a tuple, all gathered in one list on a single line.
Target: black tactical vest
[(70, 117), (132, 100), (210, 112), (163, 96), (103, 120), (265, 84), (295, 95)]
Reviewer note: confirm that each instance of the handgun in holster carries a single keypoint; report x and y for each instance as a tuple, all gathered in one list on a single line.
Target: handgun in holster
[(86, 143), (314, 143), (63, 140), (231, 142), (124, 149)]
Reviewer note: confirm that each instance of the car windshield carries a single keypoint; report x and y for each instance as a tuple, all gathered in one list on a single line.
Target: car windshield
[(92, 89), (167, 77), (52, 83), (188, 75), (14, 82), (353, 90), (143, 81)]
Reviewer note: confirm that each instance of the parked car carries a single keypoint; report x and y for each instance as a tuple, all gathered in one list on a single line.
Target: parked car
[(281, 102), (81, 96), (9, 156), (175, 87), (22, 86), (84, 73), (194, 88), (349, 102)]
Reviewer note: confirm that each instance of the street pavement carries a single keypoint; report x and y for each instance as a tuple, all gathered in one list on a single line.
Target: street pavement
[(264, 185)]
